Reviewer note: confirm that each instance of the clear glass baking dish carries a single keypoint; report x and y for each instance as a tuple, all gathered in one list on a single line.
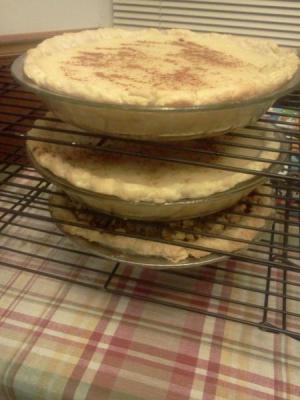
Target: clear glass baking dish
[(168, 211), (153, 123)]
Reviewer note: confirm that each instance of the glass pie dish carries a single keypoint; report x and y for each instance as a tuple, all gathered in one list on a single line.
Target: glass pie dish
[(153, 123), (167, 211)]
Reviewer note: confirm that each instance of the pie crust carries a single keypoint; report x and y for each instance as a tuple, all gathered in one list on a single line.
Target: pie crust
[(137, 179), (172, 67), (251, 213)]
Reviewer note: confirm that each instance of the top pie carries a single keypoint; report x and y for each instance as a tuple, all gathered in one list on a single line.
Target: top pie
[(159, 68)]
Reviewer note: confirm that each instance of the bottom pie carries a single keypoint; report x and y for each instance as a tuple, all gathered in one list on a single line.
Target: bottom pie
[(229, 231)]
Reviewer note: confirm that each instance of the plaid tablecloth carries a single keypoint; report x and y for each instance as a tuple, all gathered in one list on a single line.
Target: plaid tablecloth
[(62, 341)]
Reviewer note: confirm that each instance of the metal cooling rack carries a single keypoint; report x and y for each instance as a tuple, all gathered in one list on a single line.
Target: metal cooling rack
[(260, 287)]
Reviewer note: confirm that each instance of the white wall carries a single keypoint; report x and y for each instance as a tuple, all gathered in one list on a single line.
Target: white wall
[(23, 16)]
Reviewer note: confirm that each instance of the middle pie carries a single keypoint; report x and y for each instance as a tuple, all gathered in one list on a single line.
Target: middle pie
[(124, 171)]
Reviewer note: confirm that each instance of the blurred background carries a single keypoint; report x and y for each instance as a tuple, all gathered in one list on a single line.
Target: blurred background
[(275, 19)]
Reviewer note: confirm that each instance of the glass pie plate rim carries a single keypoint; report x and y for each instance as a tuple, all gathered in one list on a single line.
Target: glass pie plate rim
[(21, 78), (248, 183)]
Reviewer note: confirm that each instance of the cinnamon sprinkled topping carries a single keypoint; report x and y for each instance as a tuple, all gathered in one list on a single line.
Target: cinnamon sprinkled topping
[(187, 59), (194, 53), (177, 78)]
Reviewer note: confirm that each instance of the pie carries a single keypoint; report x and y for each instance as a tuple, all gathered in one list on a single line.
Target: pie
[(130, 177), (150, 67), (221, 231)]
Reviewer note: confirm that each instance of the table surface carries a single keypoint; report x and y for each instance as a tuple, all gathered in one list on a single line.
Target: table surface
[(62, 341)]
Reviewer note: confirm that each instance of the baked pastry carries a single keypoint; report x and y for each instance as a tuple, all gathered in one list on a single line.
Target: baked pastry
[(159, 68), (223, 229), (138, 179)]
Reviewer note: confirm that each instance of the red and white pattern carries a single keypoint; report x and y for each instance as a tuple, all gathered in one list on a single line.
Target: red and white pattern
[(59, 340)]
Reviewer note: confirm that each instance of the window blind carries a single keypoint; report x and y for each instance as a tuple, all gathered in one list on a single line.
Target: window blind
[(279, 20)]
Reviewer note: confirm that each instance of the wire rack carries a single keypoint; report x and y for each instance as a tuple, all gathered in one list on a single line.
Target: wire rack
[(260, 287)]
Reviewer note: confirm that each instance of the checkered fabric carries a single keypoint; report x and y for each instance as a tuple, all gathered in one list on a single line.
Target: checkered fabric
[(59, 340)]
